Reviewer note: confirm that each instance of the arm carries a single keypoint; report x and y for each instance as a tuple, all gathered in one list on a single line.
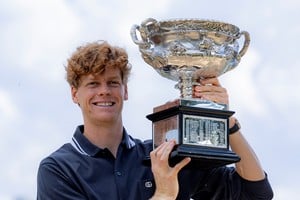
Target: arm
[(249, 167), (166, 177)]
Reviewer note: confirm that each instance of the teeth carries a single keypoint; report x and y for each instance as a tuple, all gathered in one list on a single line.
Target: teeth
[(104, 104)]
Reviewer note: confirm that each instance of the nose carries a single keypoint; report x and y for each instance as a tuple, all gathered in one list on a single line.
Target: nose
[(104, 89)]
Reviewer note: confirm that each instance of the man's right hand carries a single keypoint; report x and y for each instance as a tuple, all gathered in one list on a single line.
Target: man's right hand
[(166, 177)]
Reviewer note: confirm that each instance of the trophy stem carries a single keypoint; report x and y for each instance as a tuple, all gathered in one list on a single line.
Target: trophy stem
[(186, 82)]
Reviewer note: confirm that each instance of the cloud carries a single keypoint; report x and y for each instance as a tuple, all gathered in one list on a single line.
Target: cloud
[(286, 192), (8, 110), (36, 35)]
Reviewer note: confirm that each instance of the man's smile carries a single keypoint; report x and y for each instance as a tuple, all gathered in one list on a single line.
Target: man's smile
[(104, 104)]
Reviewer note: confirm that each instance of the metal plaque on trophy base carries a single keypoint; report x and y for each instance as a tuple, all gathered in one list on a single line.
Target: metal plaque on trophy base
[(186, 50)]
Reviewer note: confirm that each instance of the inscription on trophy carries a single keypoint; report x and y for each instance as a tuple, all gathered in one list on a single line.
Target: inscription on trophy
[(204, 131)]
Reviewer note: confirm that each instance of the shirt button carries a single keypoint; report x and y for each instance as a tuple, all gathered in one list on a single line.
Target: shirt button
[(118, 173)]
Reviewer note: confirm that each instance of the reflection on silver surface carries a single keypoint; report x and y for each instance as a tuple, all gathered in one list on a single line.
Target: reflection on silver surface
[(185, 50)]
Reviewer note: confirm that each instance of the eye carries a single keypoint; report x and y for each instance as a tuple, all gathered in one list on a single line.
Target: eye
[(92, 83), (114, 83)]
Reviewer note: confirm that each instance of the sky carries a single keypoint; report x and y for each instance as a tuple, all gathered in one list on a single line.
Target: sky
[(37, 114)]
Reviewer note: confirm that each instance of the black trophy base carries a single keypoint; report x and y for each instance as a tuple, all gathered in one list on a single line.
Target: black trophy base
[(200, 133), (203, 158)]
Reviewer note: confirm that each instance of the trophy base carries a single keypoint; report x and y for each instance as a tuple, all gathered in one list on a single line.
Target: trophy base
[(200, 133), (203, 159)]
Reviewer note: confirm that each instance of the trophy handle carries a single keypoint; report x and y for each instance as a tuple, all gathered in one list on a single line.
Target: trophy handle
[(134, 37), (147, 27), (144, 32), (149, 22), (246, 43)]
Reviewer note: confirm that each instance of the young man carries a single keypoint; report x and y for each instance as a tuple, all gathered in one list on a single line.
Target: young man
[(103, 162)]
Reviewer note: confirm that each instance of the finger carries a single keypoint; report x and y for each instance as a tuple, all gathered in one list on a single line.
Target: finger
[(166, 150), (182, 164), (163, 150), (213, 96), (217, 98), (209, 88), (210, 81), (201, 91), (155, 151)]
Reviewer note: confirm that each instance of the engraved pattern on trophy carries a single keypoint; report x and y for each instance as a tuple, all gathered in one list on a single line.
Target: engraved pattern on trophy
[(188, 49)]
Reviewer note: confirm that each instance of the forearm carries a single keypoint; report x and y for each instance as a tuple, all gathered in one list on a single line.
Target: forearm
[(161, 197), (249, 167)]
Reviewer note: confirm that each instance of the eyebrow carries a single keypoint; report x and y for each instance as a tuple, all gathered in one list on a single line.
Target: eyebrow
[(92, 78)]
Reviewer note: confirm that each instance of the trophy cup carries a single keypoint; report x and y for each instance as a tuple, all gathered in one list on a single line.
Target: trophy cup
[(186, 50)]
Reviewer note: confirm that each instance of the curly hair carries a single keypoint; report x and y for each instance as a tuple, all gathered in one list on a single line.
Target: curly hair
[(94, 58)]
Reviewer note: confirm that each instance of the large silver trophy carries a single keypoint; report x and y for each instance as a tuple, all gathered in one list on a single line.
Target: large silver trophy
[(186, 50)]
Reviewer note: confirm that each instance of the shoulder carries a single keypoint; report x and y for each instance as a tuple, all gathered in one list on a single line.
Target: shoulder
[(55, 177), (61, 155), (61, 163), (146, 145), (142, 147)]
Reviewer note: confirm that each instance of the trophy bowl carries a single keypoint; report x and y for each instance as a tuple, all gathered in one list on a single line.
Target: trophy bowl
[(184, 50)]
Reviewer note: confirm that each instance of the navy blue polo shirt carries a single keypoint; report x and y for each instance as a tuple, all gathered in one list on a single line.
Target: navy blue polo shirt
[(81, 170)]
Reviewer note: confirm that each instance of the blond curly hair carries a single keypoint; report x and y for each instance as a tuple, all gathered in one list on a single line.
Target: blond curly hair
[(94, 58)]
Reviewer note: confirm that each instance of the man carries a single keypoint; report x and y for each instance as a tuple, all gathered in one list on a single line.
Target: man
[(103, 162)]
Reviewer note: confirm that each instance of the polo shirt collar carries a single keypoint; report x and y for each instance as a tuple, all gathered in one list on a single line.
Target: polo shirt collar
[(85, 147)]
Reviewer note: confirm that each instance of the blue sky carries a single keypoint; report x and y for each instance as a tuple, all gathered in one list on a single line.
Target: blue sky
[(37, 115)]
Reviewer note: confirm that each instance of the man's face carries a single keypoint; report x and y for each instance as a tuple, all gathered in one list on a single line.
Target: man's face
[(101, 97)]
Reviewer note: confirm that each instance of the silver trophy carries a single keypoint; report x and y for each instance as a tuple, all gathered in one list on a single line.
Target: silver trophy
[(186, 50)]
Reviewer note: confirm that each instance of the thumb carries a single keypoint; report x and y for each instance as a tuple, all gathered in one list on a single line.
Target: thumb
[(182, 164)]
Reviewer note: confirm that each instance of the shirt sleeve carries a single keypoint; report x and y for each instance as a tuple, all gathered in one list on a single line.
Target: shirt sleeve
[(257, 189), (225, 183), (52, 183)]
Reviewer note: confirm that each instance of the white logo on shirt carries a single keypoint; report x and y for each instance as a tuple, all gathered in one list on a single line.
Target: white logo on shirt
[(148, 184)]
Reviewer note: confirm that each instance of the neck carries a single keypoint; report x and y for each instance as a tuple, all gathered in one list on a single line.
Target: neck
[(105, 135)]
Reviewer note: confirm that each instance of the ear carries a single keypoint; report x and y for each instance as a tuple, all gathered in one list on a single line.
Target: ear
[(126, 93), (74, 92)]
